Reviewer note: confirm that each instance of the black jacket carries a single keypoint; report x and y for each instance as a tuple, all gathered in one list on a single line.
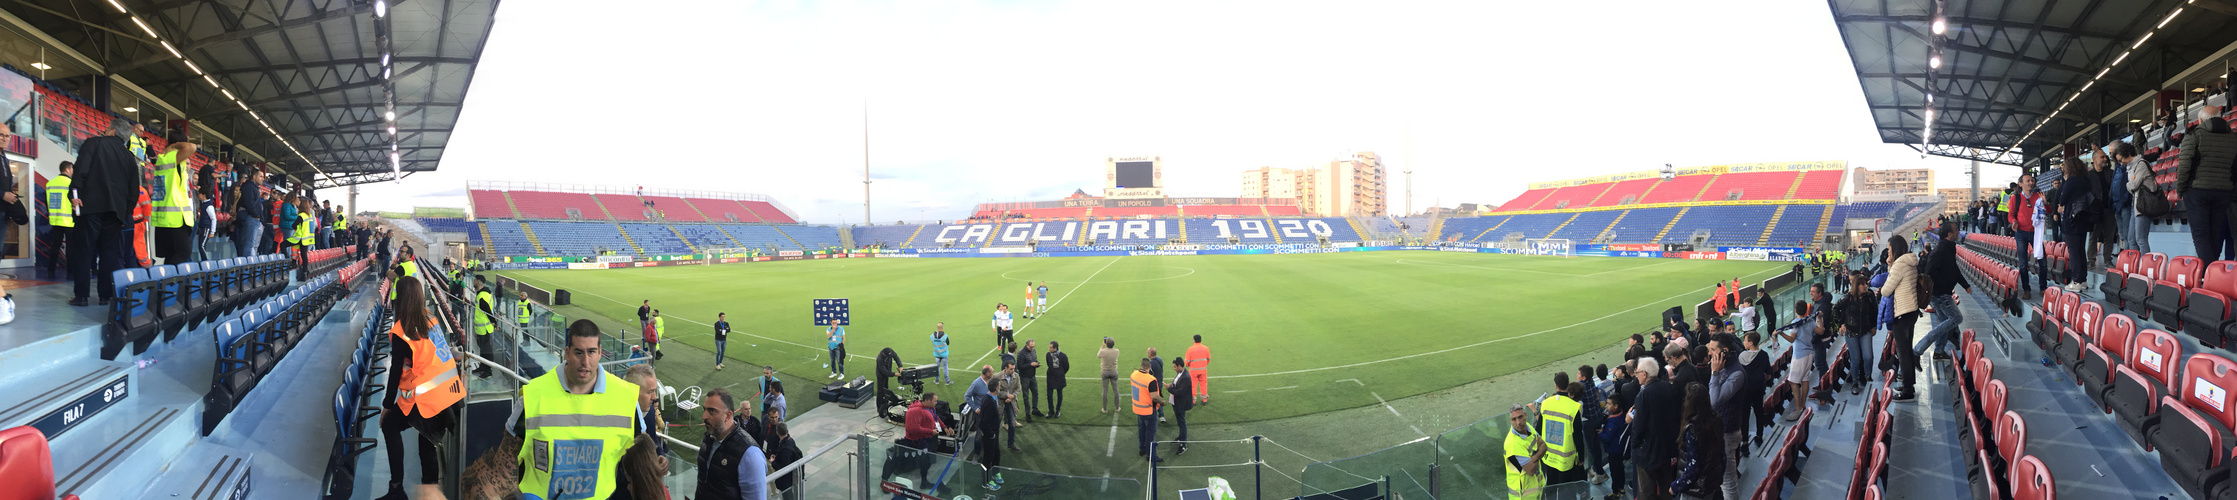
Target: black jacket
[(1183, 390), (1654, 423), (782, 453), (1942, 266), (108, 179), (718, 464), (1059, 364)]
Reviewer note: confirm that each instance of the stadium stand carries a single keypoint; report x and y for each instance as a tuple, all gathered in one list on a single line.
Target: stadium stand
[(490, 204), (1728, 225), (725, 210), (655, 238), (1528, 226), (704, 236), (673, 209), (1682, 188), (623, 207), (1749, 186), (508, 238), (812, 237), (564, 206), (1571, 197), (888, 236), (1864, 210), (441, 225), (1639, 225), (578, 239), (1586, 226), (1471, 228), (756, 236), (767, 212), (1797, 227), (1625, 192), (1528, 199)]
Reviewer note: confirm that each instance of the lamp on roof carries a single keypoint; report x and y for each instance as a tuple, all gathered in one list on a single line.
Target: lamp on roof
[(1940, 26)]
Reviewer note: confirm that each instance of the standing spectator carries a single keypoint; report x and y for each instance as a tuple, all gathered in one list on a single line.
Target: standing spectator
[(783, 452), (835, 340), (644, 314), (653, 332), (722, 337), (2107, 208), (940, 349), (1821, 303), (172, 204), (1941, 264), (988, 426), (1006, 392), (1157, 367), (1745, 317), (1703, 473), (1108, 356), (1146, 387), (1804, 336), (1681, 368), (1725, 381), (1041, 299), (1654, 430), (2123, 199), (1059, 364), (1029, 379), (1859, 312), (1030, 311), (1001, 325), (731, 464), (1199, 363), (1611, 446), (762, 385), (2138, 183), (1901, 290), (1182, 397), (2025, 200), (1525, 454), (108, 185), (2203, 178), (773, 402), (2077, 216), (1588, 423)]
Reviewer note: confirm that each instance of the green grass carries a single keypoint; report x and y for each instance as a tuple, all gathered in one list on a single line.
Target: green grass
[(1290, 335)]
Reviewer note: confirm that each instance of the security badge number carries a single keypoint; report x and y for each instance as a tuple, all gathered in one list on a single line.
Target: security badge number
[(573, 464)]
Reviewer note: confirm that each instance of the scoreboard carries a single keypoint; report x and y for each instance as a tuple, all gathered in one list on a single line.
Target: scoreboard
[(831, 312)]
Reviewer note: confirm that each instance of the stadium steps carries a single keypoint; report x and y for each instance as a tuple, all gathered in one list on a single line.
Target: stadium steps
[(491, 246), (1705, 187), (1494, 227), (795, 242), (1557, 229), (913, 235), (602, 208), (1795, 188), (1765, 239), (1277, 234), (846, 239), (1356, 226), (1651, 188), (625, 237), (1436, 226), (1611, 227), (1673, 223), (733, 239), (1824, 221), (680, 236), (532, 241), (1262, 211), (509, 204), (695, 208), (1184, 229)]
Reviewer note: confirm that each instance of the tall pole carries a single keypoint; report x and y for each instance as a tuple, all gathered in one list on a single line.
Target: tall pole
[(865, 162), (1409, 186)]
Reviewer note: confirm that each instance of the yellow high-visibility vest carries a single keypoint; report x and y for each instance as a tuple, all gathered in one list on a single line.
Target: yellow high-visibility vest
[(60, 213), (571, 444), (170, 198), (1519, 485), (483, 324), (1559, 419)]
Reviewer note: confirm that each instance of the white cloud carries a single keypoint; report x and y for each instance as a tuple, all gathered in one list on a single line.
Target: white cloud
[(1010, 101)]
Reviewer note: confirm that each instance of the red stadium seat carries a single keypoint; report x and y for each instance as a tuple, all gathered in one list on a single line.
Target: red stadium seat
[(2043, 327), (2194, 429), (1994, 397), (2031, 480), (2095, 372), (2139, 287), (2079, 332), (2172, 287), (27, 465), (2141, 381), (2116, 277), (2206, 313), (2011, 436)]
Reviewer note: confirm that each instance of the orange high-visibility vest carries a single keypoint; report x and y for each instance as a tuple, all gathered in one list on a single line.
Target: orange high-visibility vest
[(431, 384), (1720, 298), (1145, 399)]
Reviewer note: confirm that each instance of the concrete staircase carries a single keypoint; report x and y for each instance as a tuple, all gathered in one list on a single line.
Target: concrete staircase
[(625, 237), (1270, 228), (734, 243), (1651, 188), (991, 237), (1673, 223), (1557, 229), (1824, 220), (509, 204), (1765, 239), (1795, 188), (913, 236), (846, 239), (531, 232), (1359, 229), (1437, 228), (795, 243), (695, 208), (1487, 232), (1705, 187), (1611, 227), (686, 239), (1184, 230), (602, 208)]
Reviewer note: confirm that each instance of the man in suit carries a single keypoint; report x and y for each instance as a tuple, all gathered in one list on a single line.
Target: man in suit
[(1654, 430)]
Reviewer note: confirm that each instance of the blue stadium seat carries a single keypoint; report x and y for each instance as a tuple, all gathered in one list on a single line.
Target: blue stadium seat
[(130, 320), (234, 375)]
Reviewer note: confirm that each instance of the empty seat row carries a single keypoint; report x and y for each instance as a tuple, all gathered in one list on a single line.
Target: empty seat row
[(2000, 279), (250, 345), (167, 299), (356, 403), (2183, 293), (1993, 435), (1869, 473), (1783, 468), (2170, 404)]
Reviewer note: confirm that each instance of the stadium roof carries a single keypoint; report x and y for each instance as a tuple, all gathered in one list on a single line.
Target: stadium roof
[(2025, 74), (307, 84)]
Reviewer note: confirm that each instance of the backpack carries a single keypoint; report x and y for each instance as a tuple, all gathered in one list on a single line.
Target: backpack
[(2151, 201), (1925, 288)]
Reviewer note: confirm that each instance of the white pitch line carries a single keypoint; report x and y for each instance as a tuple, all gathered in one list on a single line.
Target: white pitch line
[(1394, 412), (1280, 388), (1111, 446), (1045, 313), (1355, 381)]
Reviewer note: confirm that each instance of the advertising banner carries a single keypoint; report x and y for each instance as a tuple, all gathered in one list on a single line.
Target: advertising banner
[(1695, 255), (1747, 254), (610, 259), (791, 253), (793, 256), (536, 259), (1635, 248), (1006, 250), (675, 257), (1651, 254), (586, 265), (729, 260)]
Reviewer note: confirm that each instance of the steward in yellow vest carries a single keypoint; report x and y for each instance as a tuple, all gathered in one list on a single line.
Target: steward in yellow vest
[(174, 205), (573, 432), (1525, 478), (60, 211)]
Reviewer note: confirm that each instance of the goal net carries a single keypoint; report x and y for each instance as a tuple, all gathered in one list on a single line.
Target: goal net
[(1549, 246)]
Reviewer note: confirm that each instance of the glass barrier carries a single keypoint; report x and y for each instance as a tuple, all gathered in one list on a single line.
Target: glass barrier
[(1469, 460), (1408, 465), (894, 468)]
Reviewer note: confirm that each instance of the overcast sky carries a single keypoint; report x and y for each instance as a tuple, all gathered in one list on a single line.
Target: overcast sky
[(971, 101)]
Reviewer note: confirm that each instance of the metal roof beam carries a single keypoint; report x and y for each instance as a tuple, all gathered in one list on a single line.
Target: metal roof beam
[(1974, 21), (345, 9), (374, 82)]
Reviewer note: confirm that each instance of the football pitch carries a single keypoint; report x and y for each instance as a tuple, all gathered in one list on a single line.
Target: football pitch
[(1290, 335)]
